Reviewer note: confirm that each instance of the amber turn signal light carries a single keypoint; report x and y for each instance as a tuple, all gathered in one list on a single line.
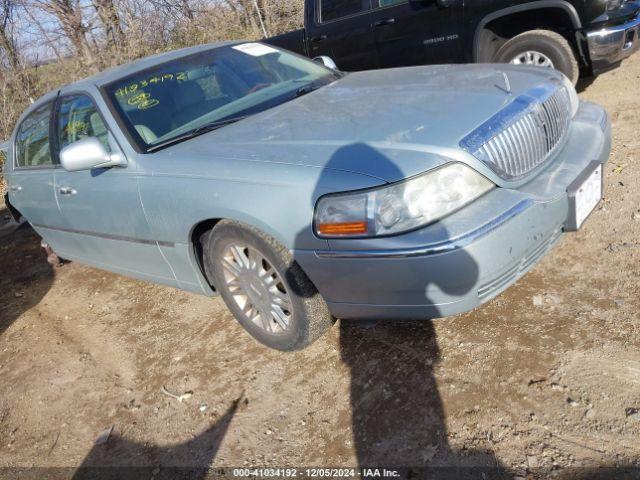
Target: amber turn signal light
[(348, 228)]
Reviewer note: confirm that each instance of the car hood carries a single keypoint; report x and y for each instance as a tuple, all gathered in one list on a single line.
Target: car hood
[(414, 118)]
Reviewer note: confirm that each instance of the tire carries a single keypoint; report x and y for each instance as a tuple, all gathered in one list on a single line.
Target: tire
[(551, 45), (238, 257)]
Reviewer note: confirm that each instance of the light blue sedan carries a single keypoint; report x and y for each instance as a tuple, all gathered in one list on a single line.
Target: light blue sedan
[(302, 194)]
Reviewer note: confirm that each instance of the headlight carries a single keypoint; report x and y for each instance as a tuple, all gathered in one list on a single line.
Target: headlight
[(400, 207), (573, 96)]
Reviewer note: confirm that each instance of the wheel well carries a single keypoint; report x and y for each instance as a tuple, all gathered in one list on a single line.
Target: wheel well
[(199, 237), (12, 210), (497, 31)]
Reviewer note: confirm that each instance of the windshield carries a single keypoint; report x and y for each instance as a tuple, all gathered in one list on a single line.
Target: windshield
[(190, 95)]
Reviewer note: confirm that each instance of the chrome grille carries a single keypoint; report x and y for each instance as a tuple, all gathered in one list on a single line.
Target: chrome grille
[(525, 134)]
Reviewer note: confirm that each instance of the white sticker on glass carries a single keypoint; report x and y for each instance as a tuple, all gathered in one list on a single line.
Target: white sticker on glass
[(255, 49)]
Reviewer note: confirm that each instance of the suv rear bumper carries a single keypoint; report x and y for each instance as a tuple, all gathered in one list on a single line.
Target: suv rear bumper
[(610, 45)]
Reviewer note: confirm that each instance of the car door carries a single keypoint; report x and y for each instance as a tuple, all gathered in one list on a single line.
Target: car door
[(416, 32), (341, 29), (102, 207), (31, 177)]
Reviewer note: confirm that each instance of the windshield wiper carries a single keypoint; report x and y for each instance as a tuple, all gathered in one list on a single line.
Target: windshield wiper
[(305, 90), (313, 86), (207, 127)]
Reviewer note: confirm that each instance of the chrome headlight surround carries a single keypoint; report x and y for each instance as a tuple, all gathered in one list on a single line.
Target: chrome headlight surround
[(573, 95), (399, 207)]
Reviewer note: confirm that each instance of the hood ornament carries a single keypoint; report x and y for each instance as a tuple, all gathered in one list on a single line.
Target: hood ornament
[(507, 85)]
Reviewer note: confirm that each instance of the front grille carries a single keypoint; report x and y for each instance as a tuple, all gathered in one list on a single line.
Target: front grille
[(525, 134)]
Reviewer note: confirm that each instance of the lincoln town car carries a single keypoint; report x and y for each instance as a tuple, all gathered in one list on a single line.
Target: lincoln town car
[(302, 194)]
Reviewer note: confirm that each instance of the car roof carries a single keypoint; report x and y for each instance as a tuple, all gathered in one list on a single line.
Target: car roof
[(121, 71)]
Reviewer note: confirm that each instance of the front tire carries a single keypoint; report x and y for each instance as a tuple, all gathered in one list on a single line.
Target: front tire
[(264, 288), (542, 48)]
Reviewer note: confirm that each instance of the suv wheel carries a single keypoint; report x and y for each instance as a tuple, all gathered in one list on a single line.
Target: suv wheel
[(541, 48), (264, 288)]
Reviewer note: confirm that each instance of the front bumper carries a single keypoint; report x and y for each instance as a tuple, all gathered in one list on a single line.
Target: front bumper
[(466, 259), (610, 45)]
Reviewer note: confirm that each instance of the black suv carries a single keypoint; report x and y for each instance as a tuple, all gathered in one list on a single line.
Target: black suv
[(574, 36)]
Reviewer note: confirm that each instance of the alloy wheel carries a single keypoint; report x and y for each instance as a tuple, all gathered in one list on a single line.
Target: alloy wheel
[(531, 57), (257, 288)]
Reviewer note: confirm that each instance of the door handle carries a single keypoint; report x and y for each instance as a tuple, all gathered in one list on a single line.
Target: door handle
[(384, 21), (318, 38), (67, 191), (15, 188)]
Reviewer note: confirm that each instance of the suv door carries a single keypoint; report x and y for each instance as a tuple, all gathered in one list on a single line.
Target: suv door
[(30, 177), (416, 32), (102, 207), (342, 30)]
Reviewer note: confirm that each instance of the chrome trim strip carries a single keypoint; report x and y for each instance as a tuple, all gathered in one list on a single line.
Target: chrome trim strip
[(108, 236), (435, 248)]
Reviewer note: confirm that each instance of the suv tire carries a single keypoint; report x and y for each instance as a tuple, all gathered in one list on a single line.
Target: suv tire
[(548, 45)]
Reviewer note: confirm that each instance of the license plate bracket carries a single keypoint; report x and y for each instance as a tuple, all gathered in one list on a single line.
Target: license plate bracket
[(585, 193)]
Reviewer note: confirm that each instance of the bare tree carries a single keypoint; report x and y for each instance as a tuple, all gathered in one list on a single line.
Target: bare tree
[(49, 42), (7, 40), (69, 15), (109, 18), (187, 10)]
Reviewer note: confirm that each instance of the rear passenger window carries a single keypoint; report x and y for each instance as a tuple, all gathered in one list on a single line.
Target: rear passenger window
[(32, 140), (334, 9), (78, 119)]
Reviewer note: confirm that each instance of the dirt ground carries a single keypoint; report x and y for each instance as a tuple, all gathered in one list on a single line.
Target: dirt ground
[(542, 381)]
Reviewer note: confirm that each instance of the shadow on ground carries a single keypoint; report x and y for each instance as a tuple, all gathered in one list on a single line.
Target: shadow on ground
[(122, 459), (397, 413), (25, 274), (584, 83)]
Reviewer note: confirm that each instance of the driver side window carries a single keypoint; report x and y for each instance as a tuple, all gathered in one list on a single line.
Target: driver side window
[(78, 118)]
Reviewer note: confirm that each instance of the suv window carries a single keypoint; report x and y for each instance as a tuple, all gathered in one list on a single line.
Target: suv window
[(334, 9), (32, 140), (78, 118), (387, 3)]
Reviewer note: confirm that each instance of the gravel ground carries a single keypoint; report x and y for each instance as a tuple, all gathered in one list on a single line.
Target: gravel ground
[(542, 381)]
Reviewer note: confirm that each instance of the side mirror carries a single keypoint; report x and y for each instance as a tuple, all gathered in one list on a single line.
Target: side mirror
[(326, 61), (89, 153)]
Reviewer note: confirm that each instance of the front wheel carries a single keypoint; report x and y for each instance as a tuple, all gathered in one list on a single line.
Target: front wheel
[(264, 288), (542, 48)]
